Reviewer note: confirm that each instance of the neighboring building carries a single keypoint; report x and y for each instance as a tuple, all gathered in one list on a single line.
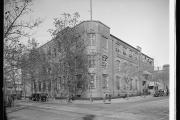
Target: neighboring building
[(166, 67), (14, 86), (162, 76), (107, 68)]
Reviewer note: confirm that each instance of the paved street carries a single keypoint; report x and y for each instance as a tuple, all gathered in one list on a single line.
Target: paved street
[(136, 108)]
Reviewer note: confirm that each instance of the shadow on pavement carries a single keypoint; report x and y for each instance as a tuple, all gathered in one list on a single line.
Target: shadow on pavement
[(89, 117)]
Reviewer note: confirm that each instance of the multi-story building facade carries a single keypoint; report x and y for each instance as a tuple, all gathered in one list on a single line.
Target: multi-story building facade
[(113, 59), (14, 85)]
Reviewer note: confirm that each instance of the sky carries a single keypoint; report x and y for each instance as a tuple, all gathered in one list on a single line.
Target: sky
[(143, 23)]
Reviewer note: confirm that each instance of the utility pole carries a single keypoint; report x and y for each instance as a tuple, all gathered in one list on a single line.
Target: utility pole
[(91, 9), (139, 54), (90, 88), (113, 67)]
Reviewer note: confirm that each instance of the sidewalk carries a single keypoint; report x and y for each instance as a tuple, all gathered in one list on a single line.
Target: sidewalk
[(117, 100)]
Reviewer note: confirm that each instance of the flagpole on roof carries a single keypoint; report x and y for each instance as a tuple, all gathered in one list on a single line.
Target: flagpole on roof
[(91, 9)]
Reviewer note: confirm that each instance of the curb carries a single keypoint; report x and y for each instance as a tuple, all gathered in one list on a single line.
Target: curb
[(118, 100)]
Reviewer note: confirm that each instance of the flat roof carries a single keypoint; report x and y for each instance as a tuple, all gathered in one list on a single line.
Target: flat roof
[(129, 45), (76, 26), (110, 35)]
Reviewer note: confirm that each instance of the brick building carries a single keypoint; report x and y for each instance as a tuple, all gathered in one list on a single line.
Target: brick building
[(114, 60)]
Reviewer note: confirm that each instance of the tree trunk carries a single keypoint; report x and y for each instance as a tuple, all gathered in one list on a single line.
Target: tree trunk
[(24, 91)]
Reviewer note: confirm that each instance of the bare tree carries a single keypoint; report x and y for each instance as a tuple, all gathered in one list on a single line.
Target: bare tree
[(74, 60), (31, 62), (72, 48), (128, 71), (15, 28), (66, 20)]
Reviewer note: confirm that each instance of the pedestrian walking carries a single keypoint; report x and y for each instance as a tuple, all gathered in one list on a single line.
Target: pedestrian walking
[(109, 97), (167, 92), (144, 92), (10, 101), (13, 98), (104, 97), (72, 98), (69, 98)]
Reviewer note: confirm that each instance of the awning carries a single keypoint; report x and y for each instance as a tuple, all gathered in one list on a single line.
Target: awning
[(154, 83), (146, 73), (151, 84)]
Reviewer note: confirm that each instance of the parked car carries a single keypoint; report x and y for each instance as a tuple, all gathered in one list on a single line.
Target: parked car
[(39, 97), (156, 93), (35, 97), (44, 97), (159, 92)]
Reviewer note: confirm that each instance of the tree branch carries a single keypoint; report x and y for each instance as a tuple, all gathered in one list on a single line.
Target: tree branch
[(11, 25)]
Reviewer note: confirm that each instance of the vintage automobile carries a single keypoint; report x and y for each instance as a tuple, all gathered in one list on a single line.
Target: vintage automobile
[(35, 97), (156, 93), (39, 97), (44, 97), (159, 92)]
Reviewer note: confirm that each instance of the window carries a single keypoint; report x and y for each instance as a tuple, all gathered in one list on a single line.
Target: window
[(92, 81), (105, 81), (49, 70), (135, 55), (150, 62), (130, 53), (124, 50), (39, 86), (59, 83), (55, 84), (92, 39), (104, 42), (143, 83), (35, 87), (150, 87), (118, 82), (104, 61), (55, 52), (80, 82), (91, 61), (117, 50), (118, 65), (44, 86), (49, 51), (130, 82), (49, 86), (143, 58)]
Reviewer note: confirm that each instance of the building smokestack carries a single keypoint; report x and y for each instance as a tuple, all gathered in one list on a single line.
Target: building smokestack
[(139, 48)]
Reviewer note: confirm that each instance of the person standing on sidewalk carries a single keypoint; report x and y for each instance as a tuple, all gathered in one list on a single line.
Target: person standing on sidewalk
[(109, 97), (144, 92)]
